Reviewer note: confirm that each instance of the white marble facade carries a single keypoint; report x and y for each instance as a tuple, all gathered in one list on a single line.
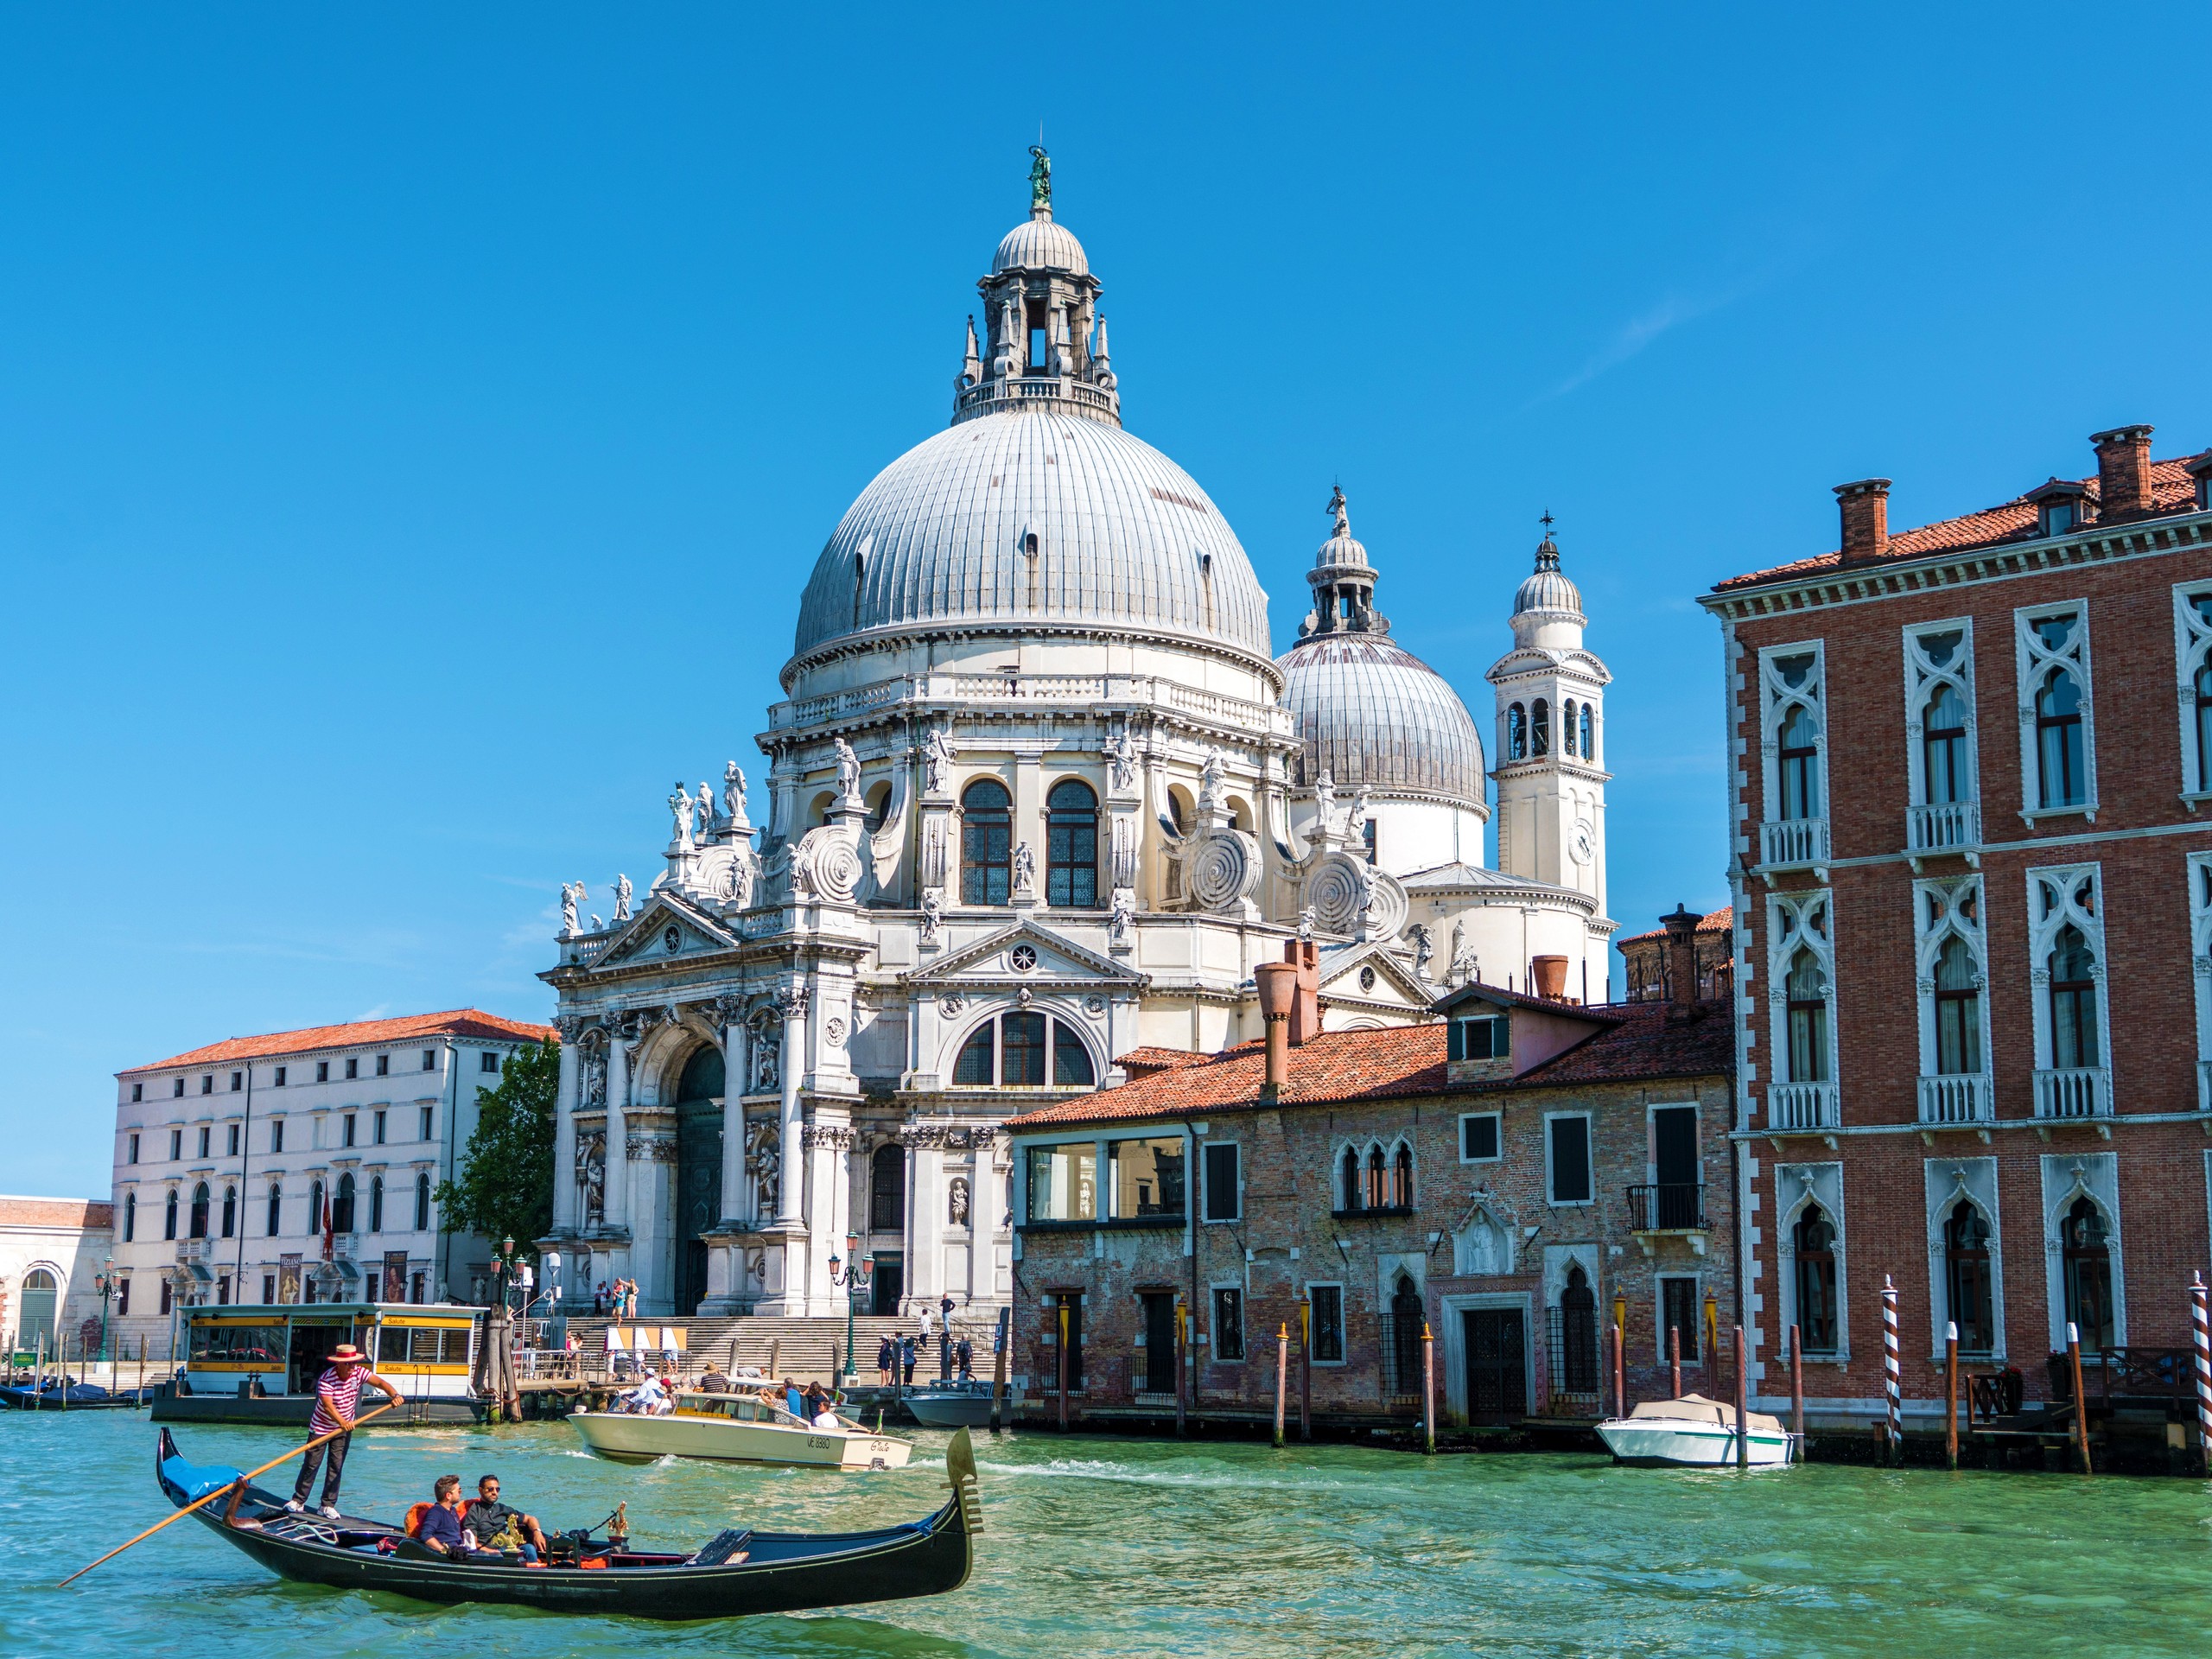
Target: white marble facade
[(1038, 794)]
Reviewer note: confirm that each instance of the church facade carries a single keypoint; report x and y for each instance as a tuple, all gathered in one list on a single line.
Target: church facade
[(1038, 794)]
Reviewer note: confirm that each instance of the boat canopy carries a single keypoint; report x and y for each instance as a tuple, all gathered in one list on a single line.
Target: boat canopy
[(1696, 1409)]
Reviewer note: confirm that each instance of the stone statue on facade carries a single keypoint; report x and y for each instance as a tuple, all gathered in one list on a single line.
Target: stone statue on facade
[(1122, 757), (572, 894), (1424, 948), (1306, 922), (596, 925), (938, 756), (706, 810), (1124, 916), (848, 774), (1210, 785), (767, 1169), (1357, 823), (734, 796), (932, 914), (1464, 966), (679, 807), (1325, 803), (622, 896), (1041, 179), (1338, 512), (738, 889), (1024, 868), (957, 1204)]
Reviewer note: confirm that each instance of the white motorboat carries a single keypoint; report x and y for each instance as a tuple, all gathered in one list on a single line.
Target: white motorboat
[(956, 1405), (1692, 1433), (737, 1428)]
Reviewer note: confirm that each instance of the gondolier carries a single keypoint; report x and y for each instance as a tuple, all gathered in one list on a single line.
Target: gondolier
[(337, 1402)]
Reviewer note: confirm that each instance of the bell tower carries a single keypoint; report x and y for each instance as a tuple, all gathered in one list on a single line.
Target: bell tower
[(1551, 738)]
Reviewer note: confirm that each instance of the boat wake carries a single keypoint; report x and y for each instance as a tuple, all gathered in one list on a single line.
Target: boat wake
[(1130, 1475)]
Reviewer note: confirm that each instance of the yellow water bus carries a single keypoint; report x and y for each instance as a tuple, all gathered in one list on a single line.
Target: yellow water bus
[(258, 1362)]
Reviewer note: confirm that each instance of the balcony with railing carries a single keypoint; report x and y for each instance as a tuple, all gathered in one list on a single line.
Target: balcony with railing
[(2073, 1091), (1808, 1106), (1668, 1207), (1943, 827), (1793, 843), (1957, 1098)]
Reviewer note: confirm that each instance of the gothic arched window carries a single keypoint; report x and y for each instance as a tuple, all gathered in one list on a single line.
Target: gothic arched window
[(1517, 733), (341, 1206), (1943, 748), (129, 1216), (1577, 1318), (1540, 727), (1351, 1183), (1799, 760), (2073, 1002), (169, 1216), (2061, 775), (1589, 734), (230, 1212), (1401, 1179), (1958, 1010), (1807, 988), (1072, 845), (2204, 724), (421, 1204), (276, 1209), (376, 1204), (1566, 730), (2085, 1241), (1967, 1278), (1377, 1194), (1815, 1239), (200, 1211), (315, 1207), (985, 843)]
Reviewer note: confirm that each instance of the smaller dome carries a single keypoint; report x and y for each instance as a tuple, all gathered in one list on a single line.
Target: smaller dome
[(1343, 548), (1374, 715), (1038, 243), (1547, 589)]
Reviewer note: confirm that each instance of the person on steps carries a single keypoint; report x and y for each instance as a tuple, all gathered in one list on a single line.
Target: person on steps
[(337, 1402)]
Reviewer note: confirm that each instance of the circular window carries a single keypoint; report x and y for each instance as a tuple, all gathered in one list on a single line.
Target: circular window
[(1367, 979), (1024, 957), (673, 940)]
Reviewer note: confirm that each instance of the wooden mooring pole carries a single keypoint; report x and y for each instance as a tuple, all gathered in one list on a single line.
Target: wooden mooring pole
[(1283, 1375), (2081, 1398), (1427, 1389), (1892, 1374), (1061, 1356), (998, 1368), (1674, 1361), (1620, 1376), (1305, 1368), (1182, 1365), (1951, 1395), (1743, 1405), (2200, 1326), (1797, 1386)]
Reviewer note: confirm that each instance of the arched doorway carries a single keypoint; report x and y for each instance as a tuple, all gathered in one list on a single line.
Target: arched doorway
[(41, 1300), (698, 1171)]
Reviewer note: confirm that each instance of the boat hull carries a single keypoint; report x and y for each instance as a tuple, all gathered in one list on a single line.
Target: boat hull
[(641, 1439), (962, 1409), (1668, 1442)]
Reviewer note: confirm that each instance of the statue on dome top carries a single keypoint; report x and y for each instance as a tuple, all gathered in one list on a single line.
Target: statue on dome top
[(1040, 180), (1338, 510)]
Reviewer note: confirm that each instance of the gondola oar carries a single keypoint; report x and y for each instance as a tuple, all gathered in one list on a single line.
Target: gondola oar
[(227, 1486)]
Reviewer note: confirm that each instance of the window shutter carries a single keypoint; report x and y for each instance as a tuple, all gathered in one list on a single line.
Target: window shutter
[(1456, 1044)]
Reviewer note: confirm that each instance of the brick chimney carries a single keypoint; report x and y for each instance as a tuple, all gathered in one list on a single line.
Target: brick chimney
[(1866, 507), (1306, 1009), (2123, 470), (1681, 961)]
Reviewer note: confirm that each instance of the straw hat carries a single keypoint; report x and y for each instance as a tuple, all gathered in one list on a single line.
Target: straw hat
[(347, 1354)]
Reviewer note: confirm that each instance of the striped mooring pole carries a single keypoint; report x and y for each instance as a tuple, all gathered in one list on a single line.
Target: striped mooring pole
[(2201, 1334), (1893, 1368)]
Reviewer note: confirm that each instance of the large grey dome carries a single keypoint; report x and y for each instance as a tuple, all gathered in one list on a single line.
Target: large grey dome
[(1125, 541), (1372, 713)]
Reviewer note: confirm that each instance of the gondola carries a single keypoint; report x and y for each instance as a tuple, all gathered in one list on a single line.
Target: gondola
[(736, 1573)]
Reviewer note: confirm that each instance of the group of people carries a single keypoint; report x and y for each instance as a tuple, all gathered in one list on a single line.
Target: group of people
[(623, 1298), (895, 1357), (484, 1526)]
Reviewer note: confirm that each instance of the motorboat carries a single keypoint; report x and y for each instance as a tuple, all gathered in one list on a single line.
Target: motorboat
[(1692, 1433), (737, 1428), (953, 1405), (736, 1572)]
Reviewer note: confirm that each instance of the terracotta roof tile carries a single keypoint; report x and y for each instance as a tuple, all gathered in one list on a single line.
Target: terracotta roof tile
[(1140, 1061), (1638, 1041), (56, 1212), (1713, 921), (361, 1034), (2172, 490)]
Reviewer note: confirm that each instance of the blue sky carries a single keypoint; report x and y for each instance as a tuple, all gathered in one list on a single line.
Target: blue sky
[(415, 426)]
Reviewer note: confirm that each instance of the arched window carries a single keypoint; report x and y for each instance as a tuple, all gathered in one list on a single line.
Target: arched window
[(341, 1204), (1405, 1322), (2204, 725), (423, 1204), (1401, 1179), (1958, 1010), (276, 1209), (1517, 733), (1351, 1183), (200, 1211), (887, 1189), (230, 1212), (1011, 1052), (1072, 845), (1566, 727), (2085, 1241), (34, 1325), (169, 1216), (985, 843), (1799, 762), (1540, 727), (129, 1217), (1808, 990), (1375, 1194), (1815, 1238), (1589, 734), (1578, 1345), (2061, 776), (314, 1206), (2073, 1002), (376, 1204), (1943, 747), (1967, 1278)]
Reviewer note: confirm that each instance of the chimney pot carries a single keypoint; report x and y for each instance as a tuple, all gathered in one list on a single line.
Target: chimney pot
[(1865, 509), (2123, 470), (1681, 960), (1550, 976), (1278, 983)]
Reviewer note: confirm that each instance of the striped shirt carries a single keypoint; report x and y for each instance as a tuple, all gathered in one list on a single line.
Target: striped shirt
[(335, 1393)]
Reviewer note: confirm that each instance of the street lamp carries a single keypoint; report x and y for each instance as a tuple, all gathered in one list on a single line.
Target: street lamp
[(850, 1280), (103, 1281)]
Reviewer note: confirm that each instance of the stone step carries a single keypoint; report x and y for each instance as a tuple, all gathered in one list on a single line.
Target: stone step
[(805, 1348)]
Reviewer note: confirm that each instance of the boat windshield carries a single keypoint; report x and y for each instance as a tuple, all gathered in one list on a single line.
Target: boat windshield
[(743, 1408)]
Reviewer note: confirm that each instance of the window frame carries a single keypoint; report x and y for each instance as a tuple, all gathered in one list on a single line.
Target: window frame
[(1777, 700), (1497, 1137), (1078, 826), (1056, 1022), (1314, 1325), (1232, 1287), (1925, 679), (2033, 662), (2054, 904), (1590, 1158), (2192, 656), (1456, 1035), (1941, 915), (1207, 1150), (990, 873)]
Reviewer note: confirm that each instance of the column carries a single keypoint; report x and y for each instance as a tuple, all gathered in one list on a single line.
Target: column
[(925, 1216), (986, 1216), (734, 1057), (617, 1204), (564, 1128), (790, 1003)]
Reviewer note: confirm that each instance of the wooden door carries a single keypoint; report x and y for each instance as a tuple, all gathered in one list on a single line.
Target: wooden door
[(1497, 1367)]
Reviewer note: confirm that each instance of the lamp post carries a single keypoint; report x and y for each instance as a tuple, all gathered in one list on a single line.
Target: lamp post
[(850, 1280), (103, 1281), (503, 1266)]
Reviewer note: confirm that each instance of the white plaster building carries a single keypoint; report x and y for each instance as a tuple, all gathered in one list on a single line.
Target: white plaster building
[(227, 1157), (52, 1252), (1038, 794)]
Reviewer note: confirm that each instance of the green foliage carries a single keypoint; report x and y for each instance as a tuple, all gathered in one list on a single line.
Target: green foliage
[(505, 1185)]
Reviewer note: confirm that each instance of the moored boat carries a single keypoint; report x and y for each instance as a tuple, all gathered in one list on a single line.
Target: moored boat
[(1694, 1433), (737, 1428), (738, 1571), (953, 1405)]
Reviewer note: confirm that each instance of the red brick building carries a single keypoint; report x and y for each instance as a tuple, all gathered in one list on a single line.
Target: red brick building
[(1973, 885), (1509, 1174), (1650, 978)]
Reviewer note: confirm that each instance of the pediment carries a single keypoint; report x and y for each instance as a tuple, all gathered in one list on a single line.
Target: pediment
[(666, 931), (1535, 659), (1395, 982), (1053, 959)]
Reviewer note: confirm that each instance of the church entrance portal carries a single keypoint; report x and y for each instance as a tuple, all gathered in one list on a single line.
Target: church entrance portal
[(698, 1172)]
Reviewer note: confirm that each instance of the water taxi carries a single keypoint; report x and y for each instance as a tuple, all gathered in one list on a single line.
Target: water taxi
[(1692, 1433), (259, 1363), (737, 1428), (956, 1405)]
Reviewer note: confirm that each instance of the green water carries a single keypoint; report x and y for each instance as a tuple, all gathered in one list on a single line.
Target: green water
[(1098, 1546)]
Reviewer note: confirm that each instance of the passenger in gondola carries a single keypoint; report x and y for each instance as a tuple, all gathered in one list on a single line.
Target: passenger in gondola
[(487, 1520), (440, 1528)]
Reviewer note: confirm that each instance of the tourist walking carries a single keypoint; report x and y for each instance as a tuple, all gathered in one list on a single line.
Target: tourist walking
[(337, 1402), (886, 1356), (906, 1351)]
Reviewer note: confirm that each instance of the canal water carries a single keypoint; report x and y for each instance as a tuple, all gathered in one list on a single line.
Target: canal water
[(1108, 1548)]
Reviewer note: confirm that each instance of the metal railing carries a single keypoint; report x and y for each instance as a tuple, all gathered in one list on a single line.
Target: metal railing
[(1803, 1106), (1400, 1353), (1571, 1347), (1144, 1388), (1666, 1207), (1957, 1098), (1949, 827), (2073, 1091), (1066, 689), (1786, 842)]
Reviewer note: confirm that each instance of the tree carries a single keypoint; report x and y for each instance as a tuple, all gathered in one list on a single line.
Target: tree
[(504, 1188)]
